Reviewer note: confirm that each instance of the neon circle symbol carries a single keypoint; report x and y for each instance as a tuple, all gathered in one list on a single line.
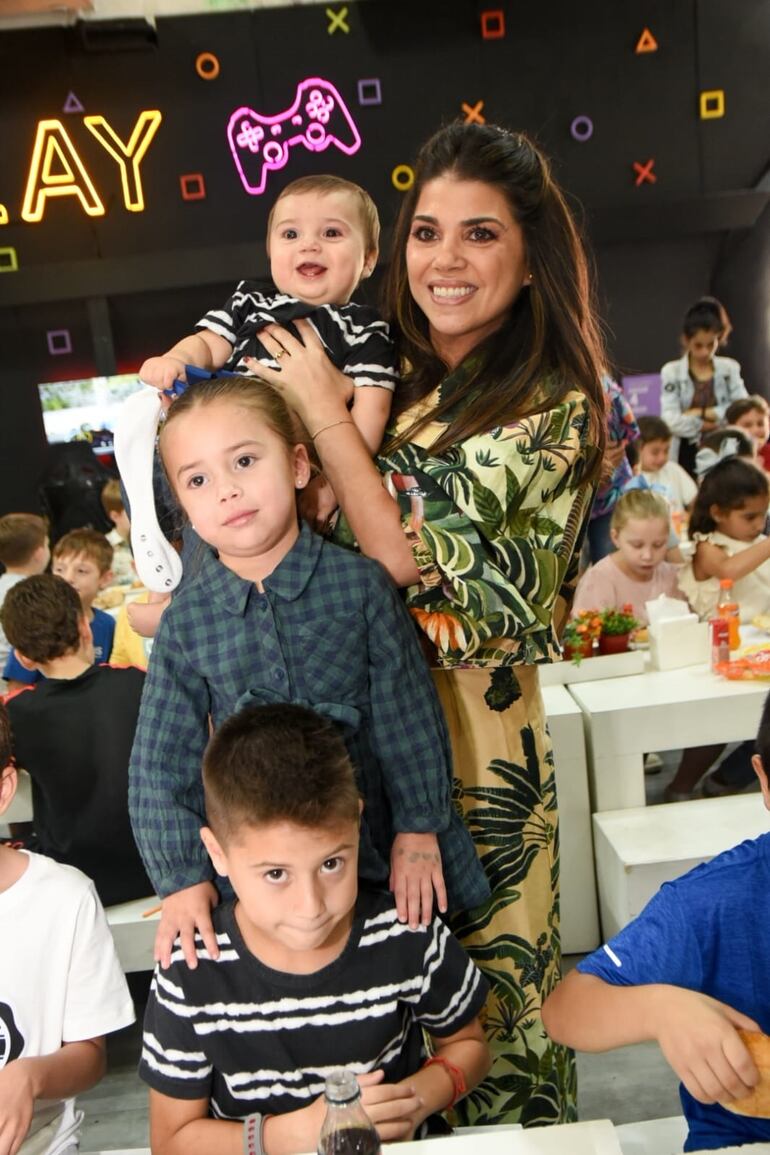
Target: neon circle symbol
[(582, 129), (402, 177), (207, 65)]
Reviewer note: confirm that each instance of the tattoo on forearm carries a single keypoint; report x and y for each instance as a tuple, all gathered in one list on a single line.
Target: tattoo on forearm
[(415, 856)]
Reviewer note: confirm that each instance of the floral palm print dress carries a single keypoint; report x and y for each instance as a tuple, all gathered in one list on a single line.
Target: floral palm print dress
[(493, 523)]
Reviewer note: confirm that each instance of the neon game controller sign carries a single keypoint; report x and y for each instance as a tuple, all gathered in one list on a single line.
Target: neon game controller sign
[(59, 166), (317, 119)]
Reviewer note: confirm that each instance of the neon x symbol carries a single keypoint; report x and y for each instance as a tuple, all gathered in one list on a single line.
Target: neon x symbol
[(337, 20), (473, 115), (644, 172)]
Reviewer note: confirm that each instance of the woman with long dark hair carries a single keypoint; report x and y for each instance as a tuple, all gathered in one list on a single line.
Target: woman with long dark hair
[(475, 505)]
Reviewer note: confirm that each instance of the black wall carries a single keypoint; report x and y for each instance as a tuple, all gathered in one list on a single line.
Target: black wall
[(128, 284)]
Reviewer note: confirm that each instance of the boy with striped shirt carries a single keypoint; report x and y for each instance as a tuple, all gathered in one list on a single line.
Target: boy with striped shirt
[(311, 974)]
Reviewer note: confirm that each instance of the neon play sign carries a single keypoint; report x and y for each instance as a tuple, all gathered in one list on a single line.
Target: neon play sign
[(57, 168)]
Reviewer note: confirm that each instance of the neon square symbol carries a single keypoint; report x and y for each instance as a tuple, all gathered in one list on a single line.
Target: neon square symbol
[(369, 91), (9, 262), (712, 104), (59, 341), (193, 186), (493, 24)]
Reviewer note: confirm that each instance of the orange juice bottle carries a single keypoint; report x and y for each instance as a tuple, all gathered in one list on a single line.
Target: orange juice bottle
[(728, 608)]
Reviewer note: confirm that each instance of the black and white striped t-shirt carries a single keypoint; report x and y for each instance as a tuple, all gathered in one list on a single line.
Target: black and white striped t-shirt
[(250, 1038), (356, 339)]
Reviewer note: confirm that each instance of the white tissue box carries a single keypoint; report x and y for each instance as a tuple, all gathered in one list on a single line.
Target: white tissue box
[(678, 642)]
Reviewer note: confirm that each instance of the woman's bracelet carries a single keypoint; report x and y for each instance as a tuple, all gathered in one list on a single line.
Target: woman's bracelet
[(455, 1074), (332, 425), (253, 1126)]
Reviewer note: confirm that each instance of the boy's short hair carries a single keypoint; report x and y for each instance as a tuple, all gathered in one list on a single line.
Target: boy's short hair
[(41, 616), (6, 745), (737, 409), (90, 543), (278, 763), (653, 428), (112, 498), (325, 183), (21, 534)]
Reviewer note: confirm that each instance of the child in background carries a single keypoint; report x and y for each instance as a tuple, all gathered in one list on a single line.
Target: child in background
[(24, 550), (622, 431), (752, 415), (355, 988), (727, 524), (658, 469), (61, 991), (123, 572), (275, 613), (689, 972), (73, 734), (83, 558), (697, 389), (637, 572)]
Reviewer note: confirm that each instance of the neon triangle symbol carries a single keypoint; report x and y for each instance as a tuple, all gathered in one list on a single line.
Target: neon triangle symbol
[(72, 104), (646, 42)]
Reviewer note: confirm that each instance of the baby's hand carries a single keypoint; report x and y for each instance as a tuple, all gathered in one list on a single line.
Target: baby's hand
[(317, 503), (698, 1037), (415, 872), (182, 914), (162, 372)]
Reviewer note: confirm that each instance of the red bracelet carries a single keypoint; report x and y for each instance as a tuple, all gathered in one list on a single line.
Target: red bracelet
[(455, 1074)]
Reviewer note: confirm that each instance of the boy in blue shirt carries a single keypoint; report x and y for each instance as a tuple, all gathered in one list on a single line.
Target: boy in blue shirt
[(83, 558), (689, 972)]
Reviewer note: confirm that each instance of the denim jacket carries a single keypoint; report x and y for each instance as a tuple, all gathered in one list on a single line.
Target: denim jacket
[(677, 391)]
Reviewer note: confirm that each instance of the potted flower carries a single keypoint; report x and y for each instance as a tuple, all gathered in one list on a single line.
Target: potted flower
[(617, 626), (579, 635)]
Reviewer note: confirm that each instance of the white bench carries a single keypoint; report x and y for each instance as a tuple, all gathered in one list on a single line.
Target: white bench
[(133, 932), (579, 910), (658, 710), (639, 849)]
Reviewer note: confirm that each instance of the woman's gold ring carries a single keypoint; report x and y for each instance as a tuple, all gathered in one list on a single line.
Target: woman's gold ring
[(277, 356)]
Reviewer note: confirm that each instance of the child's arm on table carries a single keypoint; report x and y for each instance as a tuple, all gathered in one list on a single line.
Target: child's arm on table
[(696, 1034), (74, 1068), (183, 1126), (204, 349), (712, 561)]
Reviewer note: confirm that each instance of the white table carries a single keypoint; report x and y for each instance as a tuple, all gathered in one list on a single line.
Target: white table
[(579, 908), (658, 710)]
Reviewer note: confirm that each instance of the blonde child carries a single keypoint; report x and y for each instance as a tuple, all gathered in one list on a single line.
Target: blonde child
[(276, 613), (123, 572), (752, 415), (727, 524), (637, 571)]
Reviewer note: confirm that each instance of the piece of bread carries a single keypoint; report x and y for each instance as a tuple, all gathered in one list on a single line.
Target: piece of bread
[(757, 1103)]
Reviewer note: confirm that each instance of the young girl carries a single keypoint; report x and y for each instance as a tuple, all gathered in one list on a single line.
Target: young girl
[(752, 415), (697, 388), (727, 524), (276, 613), (637, 571)]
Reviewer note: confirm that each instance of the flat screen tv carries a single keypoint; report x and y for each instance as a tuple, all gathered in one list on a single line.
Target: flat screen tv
[(85, 409)]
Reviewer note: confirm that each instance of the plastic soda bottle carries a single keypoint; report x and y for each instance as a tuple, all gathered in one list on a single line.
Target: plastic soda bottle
[(730, 611), (347, 1129)]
